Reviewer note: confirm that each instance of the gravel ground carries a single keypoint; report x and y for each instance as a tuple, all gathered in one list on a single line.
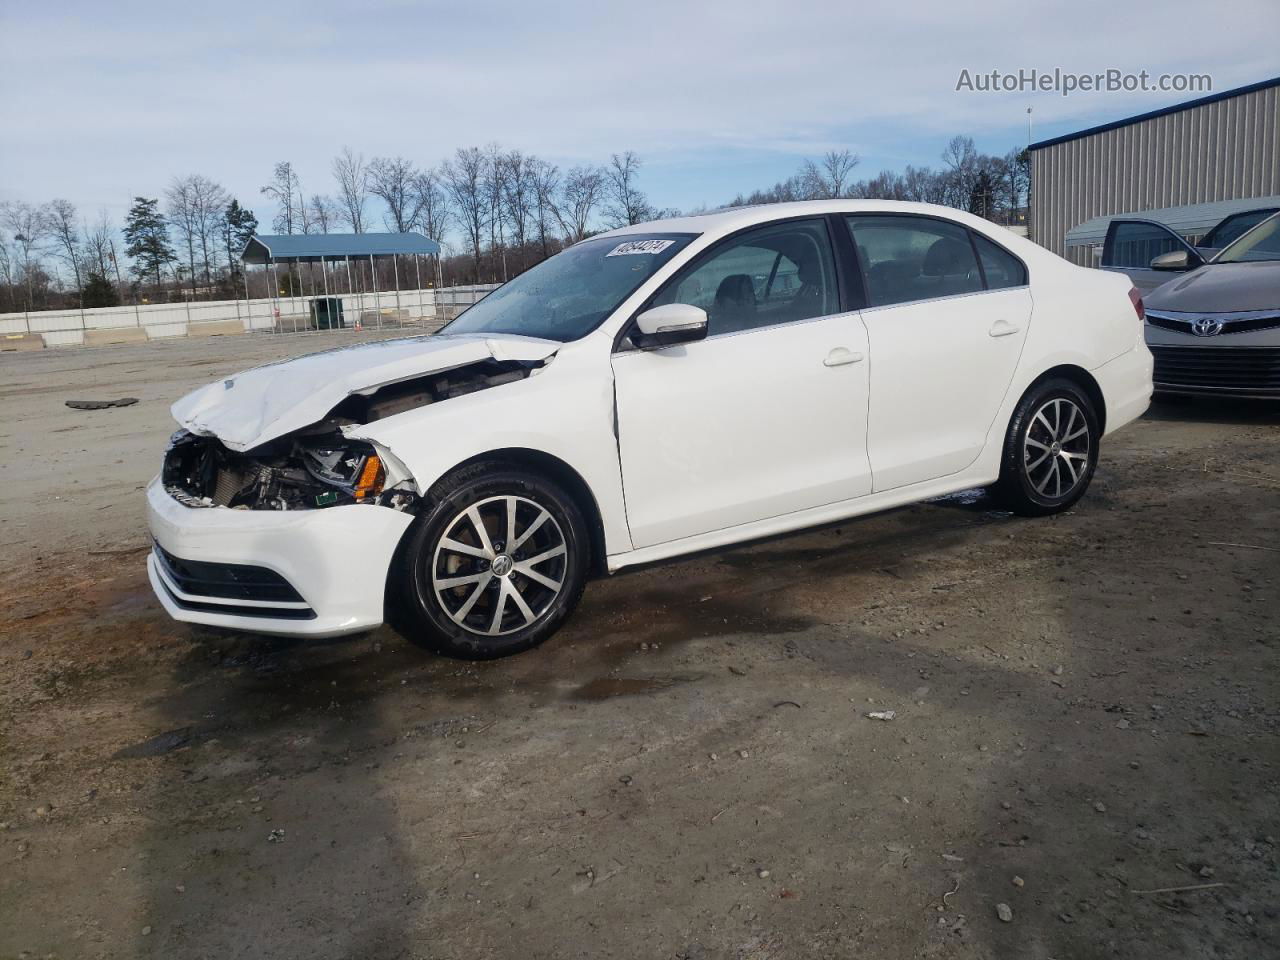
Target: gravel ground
[(1085, 716)]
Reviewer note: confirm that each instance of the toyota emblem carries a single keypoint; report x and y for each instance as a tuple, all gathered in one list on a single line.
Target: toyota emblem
[(1206, 327)]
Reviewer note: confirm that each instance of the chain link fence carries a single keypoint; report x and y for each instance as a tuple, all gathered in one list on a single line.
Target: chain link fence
[(424, 308)]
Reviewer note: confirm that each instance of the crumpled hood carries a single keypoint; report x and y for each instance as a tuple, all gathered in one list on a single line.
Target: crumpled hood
[(1221, 288), (259, 405)]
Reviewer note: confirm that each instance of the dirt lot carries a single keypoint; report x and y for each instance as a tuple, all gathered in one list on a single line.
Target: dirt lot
[(1086, 715)]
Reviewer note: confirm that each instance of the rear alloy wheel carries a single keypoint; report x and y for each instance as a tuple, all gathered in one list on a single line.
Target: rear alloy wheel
[(494, 567), (1051, 450)]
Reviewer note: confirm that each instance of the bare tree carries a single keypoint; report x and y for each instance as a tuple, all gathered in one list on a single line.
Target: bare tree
[(323, 213), (1015, 170), (196, 208), (432, 203), (29, 226), (545, 178), (517, 195), (351, 173), (286, 190), (963, 166), (495, 181), (625, 205), (98, 247), (181, 203), (464, 179), (828, 179), (392, 181), (6, 272), (62, 217), (579, 195)]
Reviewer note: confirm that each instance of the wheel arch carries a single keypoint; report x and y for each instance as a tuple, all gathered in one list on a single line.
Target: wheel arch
[(1081, 378), (553, 468)]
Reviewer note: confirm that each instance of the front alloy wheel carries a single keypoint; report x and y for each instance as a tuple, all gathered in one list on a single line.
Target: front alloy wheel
[(499, 566), (493, 567)]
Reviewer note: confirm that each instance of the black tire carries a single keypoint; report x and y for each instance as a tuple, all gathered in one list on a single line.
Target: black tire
[(1029, 486), (427, 615)]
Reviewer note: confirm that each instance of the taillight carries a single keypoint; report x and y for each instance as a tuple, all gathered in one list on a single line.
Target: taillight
[(1136, 299)]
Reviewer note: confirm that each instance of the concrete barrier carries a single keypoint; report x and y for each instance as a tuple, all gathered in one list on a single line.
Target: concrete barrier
[(107, 335), (215, 328), (21, 341)]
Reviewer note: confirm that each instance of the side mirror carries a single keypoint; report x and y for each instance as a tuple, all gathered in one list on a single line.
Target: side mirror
[(1174, 260), (669, 324)]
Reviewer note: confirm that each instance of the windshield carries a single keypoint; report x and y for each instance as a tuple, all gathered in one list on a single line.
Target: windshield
[(1260, 243), (569, 295)]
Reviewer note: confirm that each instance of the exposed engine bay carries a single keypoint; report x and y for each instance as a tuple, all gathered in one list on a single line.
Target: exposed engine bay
[(319, 466)]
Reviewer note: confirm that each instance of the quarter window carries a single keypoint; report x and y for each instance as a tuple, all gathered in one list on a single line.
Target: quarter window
[(1000, 267), (778, 274), (906, 258)]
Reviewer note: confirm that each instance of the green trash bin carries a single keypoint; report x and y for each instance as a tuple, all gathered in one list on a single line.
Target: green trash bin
[(326, 313)]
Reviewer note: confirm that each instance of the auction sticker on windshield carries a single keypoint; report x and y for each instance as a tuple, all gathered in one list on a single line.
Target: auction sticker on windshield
[(632, 247)]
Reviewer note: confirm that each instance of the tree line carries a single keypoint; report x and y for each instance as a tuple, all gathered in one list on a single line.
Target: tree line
[(994, 187), (495, 212)]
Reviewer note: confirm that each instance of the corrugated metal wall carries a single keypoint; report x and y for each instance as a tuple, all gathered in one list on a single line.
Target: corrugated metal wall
[(1219, 151)]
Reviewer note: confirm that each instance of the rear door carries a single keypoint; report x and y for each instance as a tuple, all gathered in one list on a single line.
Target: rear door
[(1131, 245), (947, 316)]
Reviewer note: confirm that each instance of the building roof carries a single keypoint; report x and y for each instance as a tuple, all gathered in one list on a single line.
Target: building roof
[(1193, 220), (264, 247), (1163, 111)]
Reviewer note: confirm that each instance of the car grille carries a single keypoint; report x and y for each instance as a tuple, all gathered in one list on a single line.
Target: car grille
[(1228, 370), (226, 581), (1231, 322)]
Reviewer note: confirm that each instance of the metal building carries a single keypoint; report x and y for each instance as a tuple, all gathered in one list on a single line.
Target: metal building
[(1221, 147)]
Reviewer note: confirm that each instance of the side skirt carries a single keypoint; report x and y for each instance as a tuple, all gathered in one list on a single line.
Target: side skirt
[(800, 520)]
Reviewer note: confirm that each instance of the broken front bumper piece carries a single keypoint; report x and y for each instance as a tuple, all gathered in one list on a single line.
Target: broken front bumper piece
[(319, 573)]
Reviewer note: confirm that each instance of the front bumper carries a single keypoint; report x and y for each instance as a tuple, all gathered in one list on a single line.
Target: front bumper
[(333, 563), (1241, 361)]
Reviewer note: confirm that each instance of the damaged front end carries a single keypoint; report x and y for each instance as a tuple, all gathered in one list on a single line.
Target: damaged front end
[(319, 465), (303, 471)]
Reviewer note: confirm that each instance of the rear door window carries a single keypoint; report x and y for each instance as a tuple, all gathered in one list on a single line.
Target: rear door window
[(907, 258)]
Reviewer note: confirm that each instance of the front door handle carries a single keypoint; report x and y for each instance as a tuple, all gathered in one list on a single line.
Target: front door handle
[(1003, 328), (840, 356)]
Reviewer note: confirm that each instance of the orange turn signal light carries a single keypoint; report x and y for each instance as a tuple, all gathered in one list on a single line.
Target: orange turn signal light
[(371, 478)]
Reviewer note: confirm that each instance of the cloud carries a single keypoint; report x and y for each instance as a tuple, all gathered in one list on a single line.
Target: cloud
[(105, 101)]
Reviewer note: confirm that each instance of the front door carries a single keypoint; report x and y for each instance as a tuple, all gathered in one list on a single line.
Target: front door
[(1131, 245), (767, 415)]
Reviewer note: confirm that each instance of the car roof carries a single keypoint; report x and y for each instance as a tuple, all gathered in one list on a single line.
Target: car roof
[(729, 219)]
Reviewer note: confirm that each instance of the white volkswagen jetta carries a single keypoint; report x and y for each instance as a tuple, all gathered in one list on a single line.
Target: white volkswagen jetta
[(656, 390)]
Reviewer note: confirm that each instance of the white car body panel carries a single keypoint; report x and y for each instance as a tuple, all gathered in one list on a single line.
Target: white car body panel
[(267, 402), (337, 559), (682, 448), (695, 419), (940, 370), (564, 411)]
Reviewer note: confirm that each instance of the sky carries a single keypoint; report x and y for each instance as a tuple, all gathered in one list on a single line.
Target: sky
[(101, 102)]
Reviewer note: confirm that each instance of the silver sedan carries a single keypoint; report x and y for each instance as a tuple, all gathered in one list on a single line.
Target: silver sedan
[(1216, 331)]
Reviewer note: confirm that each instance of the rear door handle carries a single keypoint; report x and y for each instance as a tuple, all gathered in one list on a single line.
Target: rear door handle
[(840, 356), (1003, 328)]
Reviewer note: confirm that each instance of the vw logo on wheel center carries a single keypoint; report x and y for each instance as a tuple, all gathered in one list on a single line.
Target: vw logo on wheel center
[(1206, 327)]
